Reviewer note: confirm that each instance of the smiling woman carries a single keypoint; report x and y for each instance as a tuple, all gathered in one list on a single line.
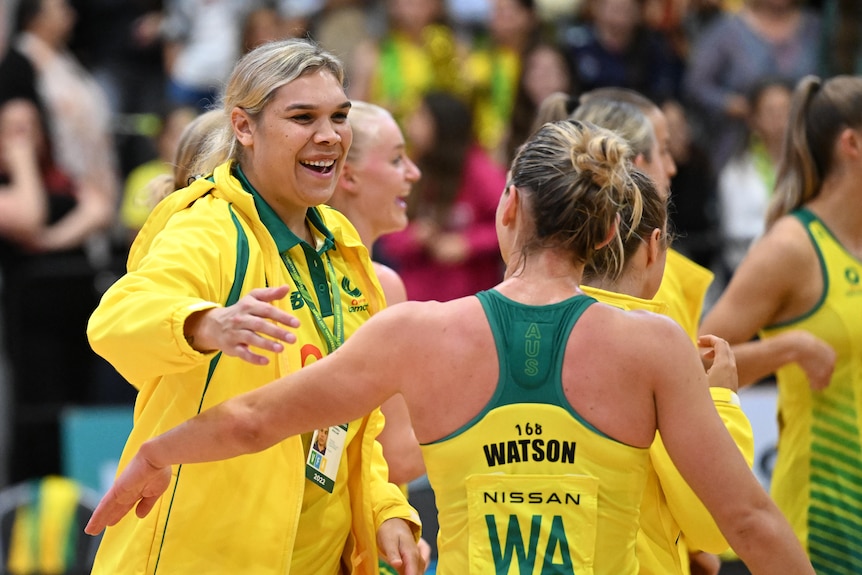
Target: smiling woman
[(219, 282), (372, 192)]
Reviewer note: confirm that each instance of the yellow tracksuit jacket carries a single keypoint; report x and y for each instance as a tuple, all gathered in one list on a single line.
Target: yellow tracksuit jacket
[(239, 515)]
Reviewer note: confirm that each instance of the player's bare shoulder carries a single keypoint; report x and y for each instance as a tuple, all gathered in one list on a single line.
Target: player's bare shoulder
[(644, 334)]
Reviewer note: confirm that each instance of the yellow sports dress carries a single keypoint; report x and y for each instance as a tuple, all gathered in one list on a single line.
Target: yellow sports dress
[(529, 486), (817, 481), (683, 288), (673, 519)]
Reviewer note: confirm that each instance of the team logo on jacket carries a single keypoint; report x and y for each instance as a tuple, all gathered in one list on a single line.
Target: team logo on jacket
[(358, 302), (349, 289), (296, 301)]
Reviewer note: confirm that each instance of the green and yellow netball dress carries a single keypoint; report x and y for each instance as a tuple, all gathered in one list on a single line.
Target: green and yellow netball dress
[(818, 474), (529, 486)]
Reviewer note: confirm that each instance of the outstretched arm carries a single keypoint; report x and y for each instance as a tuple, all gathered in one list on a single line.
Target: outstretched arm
[(350, 382)]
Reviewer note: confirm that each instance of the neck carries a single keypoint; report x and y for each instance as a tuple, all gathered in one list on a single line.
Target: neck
[(774, 147), (363, 227), (839, 205), (545, 276), (294, 219), (292, 215), (629, 284)]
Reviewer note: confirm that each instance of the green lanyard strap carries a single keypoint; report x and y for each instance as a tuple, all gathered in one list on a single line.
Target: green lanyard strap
[(333, 340)]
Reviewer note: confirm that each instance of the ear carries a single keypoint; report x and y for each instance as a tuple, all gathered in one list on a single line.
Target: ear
[(350, 179), (243, 127), (612, 232), (511, 205), (654, 246), (850, 143), (640, 162)]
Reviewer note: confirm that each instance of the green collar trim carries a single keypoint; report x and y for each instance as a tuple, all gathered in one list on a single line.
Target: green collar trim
[(284, 238)]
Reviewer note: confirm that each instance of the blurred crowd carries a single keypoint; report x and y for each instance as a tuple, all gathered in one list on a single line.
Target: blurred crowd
[(95, 93)]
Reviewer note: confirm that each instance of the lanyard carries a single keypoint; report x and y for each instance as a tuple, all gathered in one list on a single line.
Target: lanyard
[(333, 340)]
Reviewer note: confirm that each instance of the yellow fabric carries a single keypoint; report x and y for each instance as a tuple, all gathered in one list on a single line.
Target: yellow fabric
[(137, 201), (324, 523), (494, 73), (407, 70), (239, 515), (625, 301), (673, 520), (598, 532), (45, 529), (816, 478), (683, 288)]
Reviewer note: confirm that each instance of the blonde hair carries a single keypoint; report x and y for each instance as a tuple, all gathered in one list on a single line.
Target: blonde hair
[(254, 79), (363, 118), (189, 146), (624, 118), (820, 111), (575, 176), (606, 264)]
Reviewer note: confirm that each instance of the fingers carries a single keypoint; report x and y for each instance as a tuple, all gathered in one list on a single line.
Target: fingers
[(96, 524), (425, 554), (145, 505), (722, 372), (406, 559), (721, 350), (108, 512), (251, 325)]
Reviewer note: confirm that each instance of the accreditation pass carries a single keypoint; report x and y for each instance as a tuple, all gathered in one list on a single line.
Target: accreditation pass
[(324, 455)]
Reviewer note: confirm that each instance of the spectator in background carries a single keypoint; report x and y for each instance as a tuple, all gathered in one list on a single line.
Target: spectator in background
[(545, 71), (202, 41), (615, 49), (694, 203), (120, 44), (494, 69), (449, 249), (39, 67), (60, 264), (418, 53), (137, 197), (842, 38), (23, 162), (746, 182), (261, 25), (765, 38), (342, 25), (47, 293), (699, 15)]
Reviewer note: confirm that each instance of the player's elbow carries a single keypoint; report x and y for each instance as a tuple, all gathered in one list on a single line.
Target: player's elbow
[(243, 428)]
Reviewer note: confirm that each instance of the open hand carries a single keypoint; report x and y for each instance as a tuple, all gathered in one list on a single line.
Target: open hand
[(251, 322), (140, 486)]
